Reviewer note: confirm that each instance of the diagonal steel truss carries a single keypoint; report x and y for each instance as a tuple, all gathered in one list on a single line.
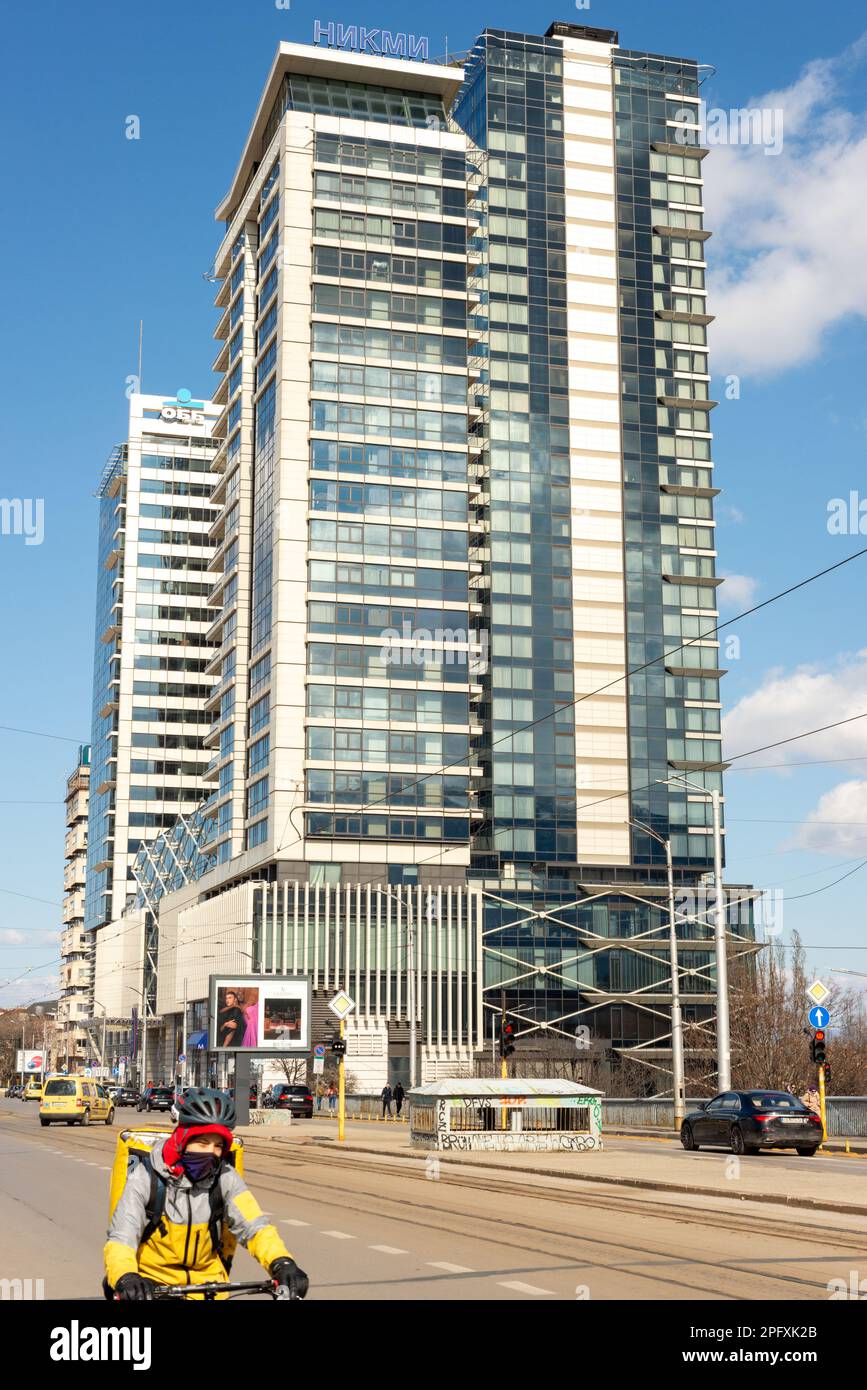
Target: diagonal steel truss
[(589, 944)]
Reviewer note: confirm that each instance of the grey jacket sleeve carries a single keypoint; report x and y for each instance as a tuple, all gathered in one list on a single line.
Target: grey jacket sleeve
[(130, 1214), (243, 1213)]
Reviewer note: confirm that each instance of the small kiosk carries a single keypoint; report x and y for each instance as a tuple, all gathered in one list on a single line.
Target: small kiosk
[(482, 1113)]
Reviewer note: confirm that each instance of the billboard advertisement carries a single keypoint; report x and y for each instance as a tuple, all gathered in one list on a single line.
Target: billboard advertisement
[(259, 1013), (30, 1061)]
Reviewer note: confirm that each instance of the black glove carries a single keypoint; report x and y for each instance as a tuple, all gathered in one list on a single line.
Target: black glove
[(134, 1289), (286, 1273)]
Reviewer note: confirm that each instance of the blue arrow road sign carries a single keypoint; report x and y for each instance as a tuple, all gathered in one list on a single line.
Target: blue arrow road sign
[(819, 1017)]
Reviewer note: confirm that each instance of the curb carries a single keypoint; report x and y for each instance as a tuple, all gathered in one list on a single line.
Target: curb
[(649, 1184), (836, 1144)]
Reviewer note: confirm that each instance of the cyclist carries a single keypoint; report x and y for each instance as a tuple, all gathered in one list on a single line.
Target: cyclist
[(167, 1225)]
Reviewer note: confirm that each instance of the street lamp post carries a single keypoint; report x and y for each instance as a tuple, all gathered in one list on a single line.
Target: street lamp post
[(677, 1065), (723, 1024)]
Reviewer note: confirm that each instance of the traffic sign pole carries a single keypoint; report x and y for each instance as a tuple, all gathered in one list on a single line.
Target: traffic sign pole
[(341, 1088), (822, 1103)]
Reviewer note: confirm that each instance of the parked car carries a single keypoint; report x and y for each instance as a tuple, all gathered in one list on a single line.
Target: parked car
[(126, 1095), (298, 1099), (12, 1091), (76, 1100), (747, 1121), (156, 1098)]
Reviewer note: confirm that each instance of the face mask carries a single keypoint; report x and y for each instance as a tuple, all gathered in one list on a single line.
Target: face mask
[(198, 1166)]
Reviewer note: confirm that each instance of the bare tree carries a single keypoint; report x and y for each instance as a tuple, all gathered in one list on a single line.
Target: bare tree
[(769, 1007)]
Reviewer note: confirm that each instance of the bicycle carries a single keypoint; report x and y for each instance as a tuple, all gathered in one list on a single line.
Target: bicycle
[(209, 1292)]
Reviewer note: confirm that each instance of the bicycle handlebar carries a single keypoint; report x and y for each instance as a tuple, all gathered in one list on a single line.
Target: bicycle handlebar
[(276, 1291)]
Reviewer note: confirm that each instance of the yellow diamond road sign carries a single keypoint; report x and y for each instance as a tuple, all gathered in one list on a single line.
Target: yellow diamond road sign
[(342, 1005), (818, 992)]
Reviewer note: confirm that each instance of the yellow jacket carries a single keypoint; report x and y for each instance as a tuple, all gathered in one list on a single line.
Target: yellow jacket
[(180, 1251)]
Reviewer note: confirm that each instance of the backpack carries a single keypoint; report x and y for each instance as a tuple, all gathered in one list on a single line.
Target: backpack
[(134, 1150)]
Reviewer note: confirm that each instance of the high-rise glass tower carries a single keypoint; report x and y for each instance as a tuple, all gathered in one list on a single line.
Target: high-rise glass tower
[(152, 647), (467, 673)]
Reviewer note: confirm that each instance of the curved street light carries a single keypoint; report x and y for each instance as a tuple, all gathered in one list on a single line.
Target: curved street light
[(677, 1067)]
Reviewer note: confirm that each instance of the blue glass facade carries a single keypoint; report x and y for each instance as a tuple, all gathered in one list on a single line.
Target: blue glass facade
[(674, 717), (512, 107), (549, 910)]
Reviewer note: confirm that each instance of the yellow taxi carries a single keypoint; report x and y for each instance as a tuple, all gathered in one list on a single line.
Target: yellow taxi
[(77, 1100), (33, 1089)]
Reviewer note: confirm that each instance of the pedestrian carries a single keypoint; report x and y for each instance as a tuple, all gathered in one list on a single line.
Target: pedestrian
[(386, 1097), (811, 1099), (320, 1092), (332, 1098), (398, 1093)]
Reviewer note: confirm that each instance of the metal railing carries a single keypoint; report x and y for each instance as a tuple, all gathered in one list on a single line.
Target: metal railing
[(846, 1115)]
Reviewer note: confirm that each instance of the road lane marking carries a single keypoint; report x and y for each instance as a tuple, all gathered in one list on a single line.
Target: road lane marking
[(288, 1221), (524, 1288), (389, 1250), (449, 1268), (338, 1235)]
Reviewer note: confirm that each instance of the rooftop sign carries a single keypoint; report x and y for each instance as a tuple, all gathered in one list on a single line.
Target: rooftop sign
[(382, 42)]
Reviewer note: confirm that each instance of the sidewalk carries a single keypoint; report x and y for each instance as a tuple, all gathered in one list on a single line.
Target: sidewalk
[(656, 1169), (855, 1146)]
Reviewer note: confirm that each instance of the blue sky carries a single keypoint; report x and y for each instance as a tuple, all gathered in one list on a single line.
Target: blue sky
[(105, 230)]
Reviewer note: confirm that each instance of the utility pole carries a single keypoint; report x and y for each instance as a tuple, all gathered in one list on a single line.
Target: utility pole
[(102, 1065), (410, 986), (184, 1040), (723, 1027), (677, 1066), (504, 1065), (676, 1017)]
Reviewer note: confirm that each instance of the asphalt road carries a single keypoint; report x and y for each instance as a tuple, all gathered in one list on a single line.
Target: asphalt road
[(371, 1227)]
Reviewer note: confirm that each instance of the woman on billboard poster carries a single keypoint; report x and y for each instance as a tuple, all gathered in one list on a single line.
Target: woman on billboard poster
[(251, 1018)]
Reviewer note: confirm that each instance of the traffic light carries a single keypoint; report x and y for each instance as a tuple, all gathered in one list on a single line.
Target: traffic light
[(817, 1047), (338, 1046), (827, 1070), (507, 1037)]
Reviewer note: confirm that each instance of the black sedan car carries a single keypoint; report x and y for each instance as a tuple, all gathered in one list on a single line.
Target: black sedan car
[(298, 1099), (747, 1121), (126, 1095), (156, 1098)]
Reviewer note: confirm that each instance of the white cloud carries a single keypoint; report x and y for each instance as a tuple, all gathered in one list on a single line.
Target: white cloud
[(844, 813), (738, 591), (10, 937), (791, 702), (28, 990), (790, 246)]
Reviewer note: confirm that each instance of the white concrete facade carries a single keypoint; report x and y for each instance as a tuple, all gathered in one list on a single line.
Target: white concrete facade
[(599, 607)]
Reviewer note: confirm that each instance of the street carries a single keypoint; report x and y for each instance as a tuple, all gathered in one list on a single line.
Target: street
[(378, 1227)]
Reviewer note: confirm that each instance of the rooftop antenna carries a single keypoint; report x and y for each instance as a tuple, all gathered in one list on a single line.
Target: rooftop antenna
[(140, 336)]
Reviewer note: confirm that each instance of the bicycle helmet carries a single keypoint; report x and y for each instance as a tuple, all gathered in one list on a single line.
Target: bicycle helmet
[(200, 1105)]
